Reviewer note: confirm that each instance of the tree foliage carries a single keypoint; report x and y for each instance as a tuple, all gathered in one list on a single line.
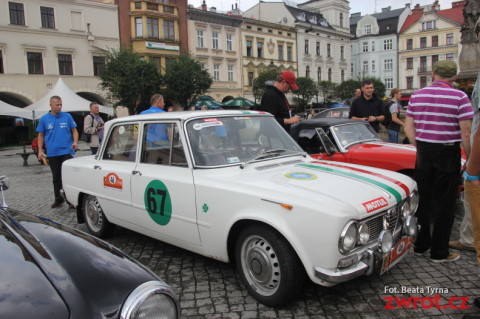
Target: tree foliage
[(346, 89), (269, 74), (130, 80), (327, 91), (307, 89), (186, 80)]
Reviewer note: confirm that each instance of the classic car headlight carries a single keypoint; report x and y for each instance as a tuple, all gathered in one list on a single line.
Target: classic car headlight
[(385, 241), (410, 225), (414, 198), (348, 237), (153, 299), (363, 233)]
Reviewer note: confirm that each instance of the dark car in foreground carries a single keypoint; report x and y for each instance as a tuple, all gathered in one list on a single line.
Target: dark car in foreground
[(53, 271)]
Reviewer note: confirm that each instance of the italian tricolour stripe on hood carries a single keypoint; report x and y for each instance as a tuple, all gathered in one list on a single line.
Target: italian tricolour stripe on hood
[(353, 172)]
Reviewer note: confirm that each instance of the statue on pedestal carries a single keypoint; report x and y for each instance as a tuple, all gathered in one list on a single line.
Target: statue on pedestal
[(470, 52)]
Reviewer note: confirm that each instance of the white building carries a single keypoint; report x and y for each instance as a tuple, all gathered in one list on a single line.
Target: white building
[(41, 40)]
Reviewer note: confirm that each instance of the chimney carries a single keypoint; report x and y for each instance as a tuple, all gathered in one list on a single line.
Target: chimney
[(356, 15), (213, 9), (204, 6), (386, 9), (417, 9)]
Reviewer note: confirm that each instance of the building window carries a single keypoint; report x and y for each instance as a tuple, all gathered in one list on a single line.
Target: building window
[(138, 5), (138, 27), (48, 17), (367, 29), (373, 65), (341, 20), (216, 72), (168, 30), (307, 71), (317, 48), (229, 42), (152, 6), (365, 66), (306, 46), (365, 47), (342, 75), (280, 52), (423, 42), (329, 50), (428, 25), (199, 38), (17, 16), (289, 54), (260, 49), (434, 40), (388, 83), (98, 65), (155, 60), (409, 44), (450, 39), (409, 82), (423, 64), (169, 62), (388, 64), (423, 81), (65, 64), (152, 27), (434, 59), (35, 63), (215, 40), (449, 56), (373, 46), (330, 75), (250, 78), (387, 44), (409, 63), (168, 9), (249, 48), (230, 73), (342, 53), (1, 62), (319, 74)]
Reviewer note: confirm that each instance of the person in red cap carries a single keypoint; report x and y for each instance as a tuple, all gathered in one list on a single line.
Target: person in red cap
[(275, 102)]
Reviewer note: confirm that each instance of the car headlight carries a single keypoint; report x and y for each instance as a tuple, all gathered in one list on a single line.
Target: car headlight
[(363, 233), (385, 241), (410, 225), (348, 238), (406, 209), (414, 198), (151, 300)]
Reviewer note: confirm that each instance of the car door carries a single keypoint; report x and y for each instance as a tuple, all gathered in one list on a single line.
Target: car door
[(163, 192), (113, 172)]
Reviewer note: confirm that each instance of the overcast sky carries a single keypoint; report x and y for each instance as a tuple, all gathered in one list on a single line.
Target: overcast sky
[(363, 6)]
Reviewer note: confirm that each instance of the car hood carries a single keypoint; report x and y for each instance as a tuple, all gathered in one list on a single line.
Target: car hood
[(385, 147), (66, 268), (340, 187)]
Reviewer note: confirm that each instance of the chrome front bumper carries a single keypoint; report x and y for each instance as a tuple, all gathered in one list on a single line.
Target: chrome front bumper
[(364, 267)]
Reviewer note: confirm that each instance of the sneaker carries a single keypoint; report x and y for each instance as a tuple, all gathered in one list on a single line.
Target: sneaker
[(451, 257), (421, 253), (57, 203), (459, 246)]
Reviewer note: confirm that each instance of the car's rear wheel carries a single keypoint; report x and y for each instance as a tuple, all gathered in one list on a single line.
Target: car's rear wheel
[(95, 219), (268, 266)]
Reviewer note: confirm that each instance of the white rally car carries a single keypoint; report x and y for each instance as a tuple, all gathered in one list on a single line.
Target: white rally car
[(234, 186)]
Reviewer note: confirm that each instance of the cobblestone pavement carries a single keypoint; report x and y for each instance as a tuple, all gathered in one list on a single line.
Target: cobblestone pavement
[(211, 289)]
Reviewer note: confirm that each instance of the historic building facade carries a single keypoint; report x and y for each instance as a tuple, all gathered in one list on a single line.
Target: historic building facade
[(214, 39)]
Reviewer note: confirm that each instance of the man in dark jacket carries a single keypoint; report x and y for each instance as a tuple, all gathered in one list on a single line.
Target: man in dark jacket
[(368, 107), (275, 102)]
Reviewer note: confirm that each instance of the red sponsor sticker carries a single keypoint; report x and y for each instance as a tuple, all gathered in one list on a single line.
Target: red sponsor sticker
[(375, 204), (112, 180), (211, 120)]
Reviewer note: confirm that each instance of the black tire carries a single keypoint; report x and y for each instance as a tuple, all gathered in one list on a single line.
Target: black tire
[(96, 221), (268, 266)]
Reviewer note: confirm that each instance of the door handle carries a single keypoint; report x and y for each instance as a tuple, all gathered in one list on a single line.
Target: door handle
[(97, 167), (137, 172)]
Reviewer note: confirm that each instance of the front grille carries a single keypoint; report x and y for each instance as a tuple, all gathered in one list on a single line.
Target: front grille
[(389, 219)]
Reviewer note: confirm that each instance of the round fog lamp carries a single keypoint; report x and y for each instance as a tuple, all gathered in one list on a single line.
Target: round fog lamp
[(385, 241), (406, 210), (414, 198), (410, 226), (363, 234)]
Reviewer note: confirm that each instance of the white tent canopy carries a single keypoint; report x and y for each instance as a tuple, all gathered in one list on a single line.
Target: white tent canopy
[(71, 101), (10, 110)]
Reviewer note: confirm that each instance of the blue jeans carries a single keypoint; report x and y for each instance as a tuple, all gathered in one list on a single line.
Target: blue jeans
[(393, 136)]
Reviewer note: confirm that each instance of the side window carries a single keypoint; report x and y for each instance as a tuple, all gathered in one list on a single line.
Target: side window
[(122, 143), (162, 145)]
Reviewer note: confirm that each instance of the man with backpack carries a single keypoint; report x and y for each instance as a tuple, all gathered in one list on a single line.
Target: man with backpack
[(392, 112)]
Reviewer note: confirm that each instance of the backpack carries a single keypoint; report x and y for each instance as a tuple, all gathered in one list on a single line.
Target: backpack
[(387, 114), (85, 136)]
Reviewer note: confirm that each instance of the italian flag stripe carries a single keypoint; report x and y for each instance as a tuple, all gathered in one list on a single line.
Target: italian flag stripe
[(387, 188)]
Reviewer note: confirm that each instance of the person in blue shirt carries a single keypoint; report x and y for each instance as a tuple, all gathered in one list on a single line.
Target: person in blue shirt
[(57, 131), (156, 132)]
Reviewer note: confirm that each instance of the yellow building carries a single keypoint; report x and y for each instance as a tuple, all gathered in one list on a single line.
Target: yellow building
[(427, 36)]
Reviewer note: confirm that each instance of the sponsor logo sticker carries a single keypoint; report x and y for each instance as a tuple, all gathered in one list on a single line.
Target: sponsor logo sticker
[(375, 204), (302, 176), (112, 180)]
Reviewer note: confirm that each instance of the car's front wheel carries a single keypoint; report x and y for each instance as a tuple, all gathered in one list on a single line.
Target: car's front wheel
[(97, 223), (268, 266)]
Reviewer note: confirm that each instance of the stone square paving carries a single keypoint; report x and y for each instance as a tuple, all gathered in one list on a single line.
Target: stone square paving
[(211, 289)]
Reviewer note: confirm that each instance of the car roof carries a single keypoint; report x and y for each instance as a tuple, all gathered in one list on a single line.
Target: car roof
[(185, 115)]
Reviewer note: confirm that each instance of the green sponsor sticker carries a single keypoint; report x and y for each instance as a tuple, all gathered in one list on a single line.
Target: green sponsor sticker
[(158, 203)]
